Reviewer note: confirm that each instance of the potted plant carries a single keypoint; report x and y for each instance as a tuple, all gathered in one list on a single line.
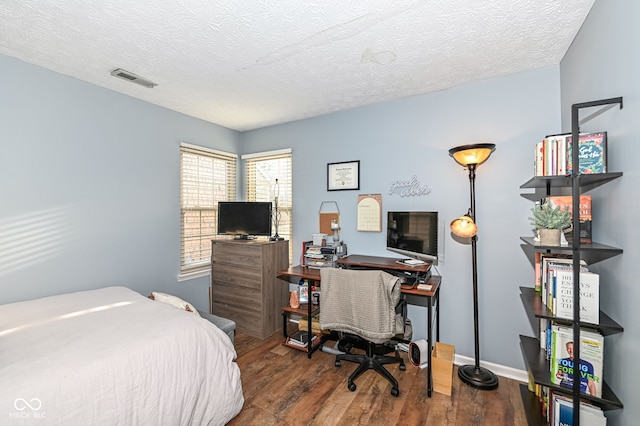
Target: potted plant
[(549, 221)]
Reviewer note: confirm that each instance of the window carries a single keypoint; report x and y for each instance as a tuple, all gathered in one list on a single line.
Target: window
[(261, 172), (206, 177)]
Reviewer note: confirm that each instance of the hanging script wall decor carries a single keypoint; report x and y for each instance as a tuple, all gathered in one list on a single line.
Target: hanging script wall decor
[(409, 188)]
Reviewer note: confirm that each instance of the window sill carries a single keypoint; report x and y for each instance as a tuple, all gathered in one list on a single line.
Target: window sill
[(189, 275)]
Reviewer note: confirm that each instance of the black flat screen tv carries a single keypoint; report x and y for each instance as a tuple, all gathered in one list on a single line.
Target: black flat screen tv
[(244, 219), (413, 234)]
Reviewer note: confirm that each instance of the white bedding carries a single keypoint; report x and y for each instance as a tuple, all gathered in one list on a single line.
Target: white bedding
[(113, 357)]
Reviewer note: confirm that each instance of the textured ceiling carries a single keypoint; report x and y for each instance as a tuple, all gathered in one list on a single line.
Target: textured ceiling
[(249, 64)]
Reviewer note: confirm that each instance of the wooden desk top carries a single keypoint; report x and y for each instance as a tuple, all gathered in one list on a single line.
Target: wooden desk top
[(378, 262), (372, 262)]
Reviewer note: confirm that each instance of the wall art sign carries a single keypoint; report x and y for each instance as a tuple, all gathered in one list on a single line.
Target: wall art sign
[(409, 188), (343, 176)]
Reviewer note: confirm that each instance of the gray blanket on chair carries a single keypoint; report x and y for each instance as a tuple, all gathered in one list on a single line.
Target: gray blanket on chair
[(360, 302)]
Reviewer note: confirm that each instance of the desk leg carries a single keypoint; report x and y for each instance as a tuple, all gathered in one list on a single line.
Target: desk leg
[(437, 296), (430, 346), (284, 324), (309, 322)]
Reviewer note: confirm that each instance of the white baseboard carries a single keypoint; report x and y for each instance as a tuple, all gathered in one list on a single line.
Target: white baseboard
[(498, 370)]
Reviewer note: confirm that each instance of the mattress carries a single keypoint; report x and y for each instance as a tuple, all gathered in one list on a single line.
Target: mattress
[(114, 357)]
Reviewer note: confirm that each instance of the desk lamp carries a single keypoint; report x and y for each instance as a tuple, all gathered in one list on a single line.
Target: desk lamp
[(276, 213), (471, 156)]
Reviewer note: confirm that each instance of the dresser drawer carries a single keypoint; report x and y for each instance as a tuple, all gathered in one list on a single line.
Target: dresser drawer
[(248, 322), (235, 277), (247, 299)]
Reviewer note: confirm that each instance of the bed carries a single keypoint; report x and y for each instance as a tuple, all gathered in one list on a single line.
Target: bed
[(114, 357)]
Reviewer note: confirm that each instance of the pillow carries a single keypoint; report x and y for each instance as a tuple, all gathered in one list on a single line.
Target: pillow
[(173, 301)]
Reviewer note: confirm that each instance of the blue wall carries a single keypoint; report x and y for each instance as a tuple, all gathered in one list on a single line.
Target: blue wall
[(396, 140), (89, 186), (603, 62)]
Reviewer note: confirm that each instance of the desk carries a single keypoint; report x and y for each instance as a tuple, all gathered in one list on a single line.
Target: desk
[(373, 262)]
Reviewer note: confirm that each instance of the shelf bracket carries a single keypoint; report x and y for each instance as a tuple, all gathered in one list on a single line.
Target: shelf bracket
[(610, 103)]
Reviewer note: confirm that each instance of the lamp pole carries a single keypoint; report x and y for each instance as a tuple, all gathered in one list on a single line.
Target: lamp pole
[(474, 375), (474, 263)]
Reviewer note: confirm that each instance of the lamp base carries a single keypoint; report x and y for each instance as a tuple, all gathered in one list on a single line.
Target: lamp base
[(478, 377)]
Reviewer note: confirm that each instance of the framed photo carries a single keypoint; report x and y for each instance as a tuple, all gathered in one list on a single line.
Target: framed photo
[(343, 176)]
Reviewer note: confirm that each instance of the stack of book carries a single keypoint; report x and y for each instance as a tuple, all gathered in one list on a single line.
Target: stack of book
[(300, 338), (554, 154), (554, 283), (557, 407), (561, 412), (591, 359)]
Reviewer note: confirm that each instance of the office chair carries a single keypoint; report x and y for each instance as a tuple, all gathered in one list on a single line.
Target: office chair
[(363, 304)]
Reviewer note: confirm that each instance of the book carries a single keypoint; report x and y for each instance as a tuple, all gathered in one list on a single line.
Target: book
[(561, 413), (550, 264), (303, 288), (592, 153), (591, 359), (536, 267), (585, 229), (539, 159), (300, 338), (546, 276), (589, 296), (552, 268)]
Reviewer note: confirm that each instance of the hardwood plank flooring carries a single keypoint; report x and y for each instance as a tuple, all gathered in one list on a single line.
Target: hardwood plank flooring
[(283, 387)]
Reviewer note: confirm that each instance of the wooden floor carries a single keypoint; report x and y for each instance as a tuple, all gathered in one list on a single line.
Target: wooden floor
[(283, 387)]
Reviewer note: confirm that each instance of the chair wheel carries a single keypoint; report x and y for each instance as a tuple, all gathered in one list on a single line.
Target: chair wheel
[(352, 387), (337, 363), (403, 367), (395, 392)]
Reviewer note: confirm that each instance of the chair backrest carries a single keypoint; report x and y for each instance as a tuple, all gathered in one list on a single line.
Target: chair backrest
[(360, 302)]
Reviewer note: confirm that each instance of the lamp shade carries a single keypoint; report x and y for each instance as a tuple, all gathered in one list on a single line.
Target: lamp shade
[(464, 227), (472, 154)]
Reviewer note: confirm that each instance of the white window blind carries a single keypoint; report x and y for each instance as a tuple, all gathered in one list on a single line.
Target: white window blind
[(261, 172), (206, 177)]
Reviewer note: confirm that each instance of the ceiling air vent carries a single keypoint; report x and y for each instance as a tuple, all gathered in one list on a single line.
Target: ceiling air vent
[(129, 76)]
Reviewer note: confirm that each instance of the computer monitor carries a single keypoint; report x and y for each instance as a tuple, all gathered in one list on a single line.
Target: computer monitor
[(413, 234)]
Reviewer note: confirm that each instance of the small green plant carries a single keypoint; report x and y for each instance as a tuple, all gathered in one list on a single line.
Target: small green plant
[(546, 216)]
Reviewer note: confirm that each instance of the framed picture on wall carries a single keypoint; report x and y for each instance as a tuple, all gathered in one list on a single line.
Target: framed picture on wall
[(343, 176)]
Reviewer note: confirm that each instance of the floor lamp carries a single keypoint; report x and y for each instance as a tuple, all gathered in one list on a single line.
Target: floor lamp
[(471, 156)]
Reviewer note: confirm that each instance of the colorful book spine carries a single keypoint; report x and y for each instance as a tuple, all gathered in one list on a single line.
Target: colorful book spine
[(592, 153), (553, 155)]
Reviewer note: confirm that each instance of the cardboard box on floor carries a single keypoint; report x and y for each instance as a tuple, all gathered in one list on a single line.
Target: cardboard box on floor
[(442, 368)]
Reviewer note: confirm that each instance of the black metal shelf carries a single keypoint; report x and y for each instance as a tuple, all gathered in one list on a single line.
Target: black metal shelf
[(591, 253), (533, 303), (558, 185), (539, 368), (587, 181)]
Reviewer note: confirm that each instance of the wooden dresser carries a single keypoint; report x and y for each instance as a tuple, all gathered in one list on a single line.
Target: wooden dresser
[(244, 286)]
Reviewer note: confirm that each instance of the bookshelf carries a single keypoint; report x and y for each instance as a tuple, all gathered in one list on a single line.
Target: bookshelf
[(536, 361)]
